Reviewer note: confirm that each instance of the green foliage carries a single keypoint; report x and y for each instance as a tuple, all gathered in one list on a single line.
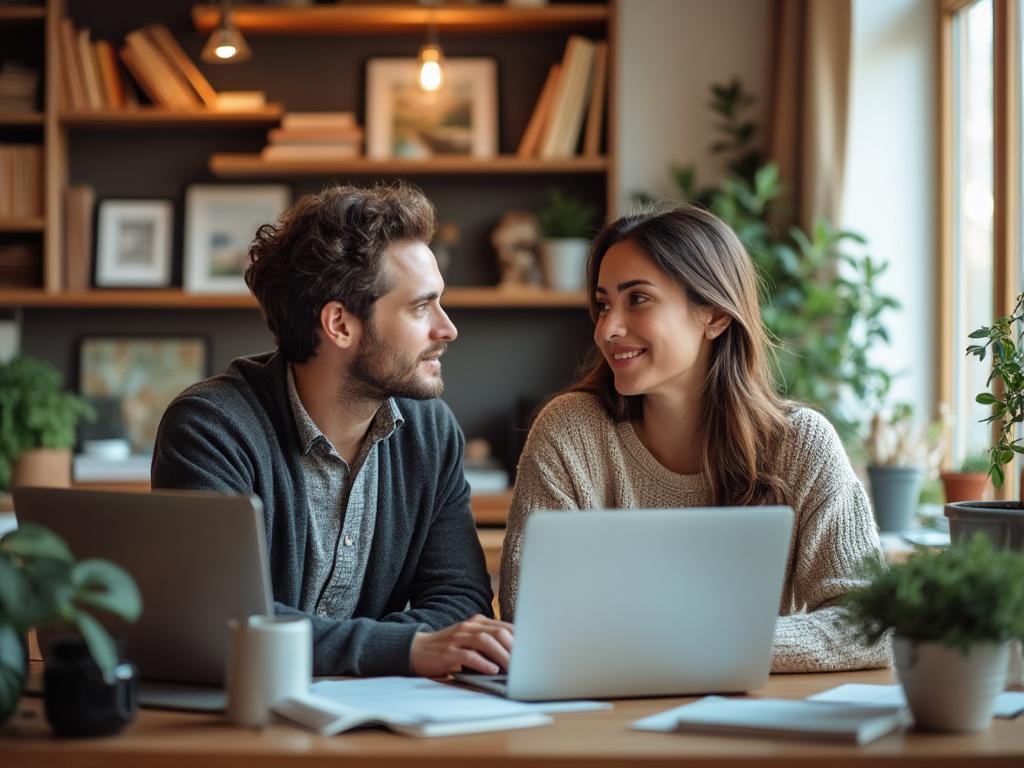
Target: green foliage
[(1004, 339), (565, 216), (40, 583), (820, 297), (966, 594), (975, 462), (35, 411)]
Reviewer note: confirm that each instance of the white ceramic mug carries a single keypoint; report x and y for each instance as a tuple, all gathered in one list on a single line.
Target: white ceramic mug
[(269, 658)]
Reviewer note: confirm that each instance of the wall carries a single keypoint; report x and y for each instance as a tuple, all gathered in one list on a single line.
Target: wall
[(891, 177), (671, 51)]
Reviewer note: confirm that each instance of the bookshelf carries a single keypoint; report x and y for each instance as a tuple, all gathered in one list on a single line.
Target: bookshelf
[(513, 345)]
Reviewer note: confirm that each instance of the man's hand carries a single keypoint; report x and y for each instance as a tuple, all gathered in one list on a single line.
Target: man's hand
[(479, 643)]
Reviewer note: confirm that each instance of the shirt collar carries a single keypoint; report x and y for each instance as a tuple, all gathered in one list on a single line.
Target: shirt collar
[(387, 419)]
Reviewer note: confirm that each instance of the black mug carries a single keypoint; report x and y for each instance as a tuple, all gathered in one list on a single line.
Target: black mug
[(79, 702)]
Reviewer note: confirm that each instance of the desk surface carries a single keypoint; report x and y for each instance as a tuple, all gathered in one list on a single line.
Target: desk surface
[(159, 739)]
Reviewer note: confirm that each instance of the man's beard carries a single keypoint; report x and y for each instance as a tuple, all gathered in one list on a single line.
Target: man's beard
[(383, 371)]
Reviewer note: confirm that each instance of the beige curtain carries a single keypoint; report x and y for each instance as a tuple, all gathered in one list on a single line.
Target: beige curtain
[(810, 105)]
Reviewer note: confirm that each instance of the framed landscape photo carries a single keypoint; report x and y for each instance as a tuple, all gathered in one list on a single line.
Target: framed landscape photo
[(220, 223), (404, 121), (133, 243), (132, 379)]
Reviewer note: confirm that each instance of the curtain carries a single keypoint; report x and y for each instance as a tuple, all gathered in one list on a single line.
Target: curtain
[(809, 106)]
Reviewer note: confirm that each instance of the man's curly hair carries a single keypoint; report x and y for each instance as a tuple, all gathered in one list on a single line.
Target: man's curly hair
[(330, 247)]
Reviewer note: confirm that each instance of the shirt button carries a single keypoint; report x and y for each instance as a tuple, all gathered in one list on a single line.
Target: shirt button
[(348, 541)]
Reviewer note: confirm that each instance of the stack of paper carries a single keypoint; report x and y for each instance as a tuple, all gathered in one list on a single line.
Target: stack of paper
[(412, 706), (1008, 704)]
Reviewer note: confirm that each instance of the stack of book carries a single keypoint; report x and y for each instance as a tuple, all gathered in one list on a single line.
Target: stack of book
[(20, 266), (314, 136), (18, 86), (92, 80), (574, 88), (21, 180)]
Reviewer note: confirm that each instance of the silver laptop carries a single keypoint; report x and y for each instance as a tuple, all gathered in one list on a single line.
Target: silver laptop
[(645, 603), (199, 559)]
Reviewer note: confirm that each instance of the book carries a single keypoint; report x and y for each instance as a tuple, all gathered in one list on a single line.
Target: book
[(407, 705), (541, 112), (787, 718), (561, 134), (174, 90), (79, 203), (140, 76), (309, 152), (71, 75), (182, 64), (352, 135), (113, 88), (595, 113), (241, 101), (90, 75), (318, 120)]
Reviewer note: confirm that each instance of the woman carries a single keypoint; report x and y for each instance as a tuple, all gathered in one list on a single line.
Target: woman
[(678, 409)]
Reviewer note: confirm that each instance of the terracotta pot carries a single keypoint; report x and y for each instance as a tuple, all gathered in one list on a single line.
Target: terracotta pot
[(43, 466), (965, 486)]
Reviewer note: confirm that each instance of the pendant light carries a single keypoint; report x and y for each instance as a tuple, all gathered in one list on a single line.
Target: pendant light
[(431, 58), (226, 45)]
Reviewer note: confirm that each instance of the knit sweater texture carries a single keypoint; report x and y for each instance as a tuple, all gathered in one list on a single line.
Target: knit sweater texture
[(577, 457)]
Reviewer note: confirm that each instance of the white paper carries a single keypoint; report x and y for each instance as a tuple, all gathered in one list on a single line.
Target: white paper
[(1009, 704)]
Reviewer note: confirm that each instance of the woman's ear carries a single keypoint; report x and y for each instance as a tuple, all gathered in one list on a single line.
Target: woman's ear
[(339, 327), (717, 323)]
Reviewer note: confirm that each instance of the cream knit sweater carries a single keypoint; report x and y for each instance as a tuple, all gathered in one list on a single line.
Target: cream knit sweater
[(576, 457)]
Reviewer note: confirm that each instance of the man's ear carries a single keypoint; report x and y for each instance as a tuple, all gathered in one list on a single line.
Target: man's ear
[(340, 328)]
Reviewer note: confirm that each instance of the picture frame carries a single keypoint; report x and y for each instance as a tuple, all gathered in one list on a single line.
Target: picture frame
[(133, 243), (131, 379), (220, 224), (405, 122)]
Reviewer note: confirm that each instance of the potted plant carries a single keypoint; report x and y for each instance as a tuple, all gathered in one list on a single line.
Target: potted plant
[(953, 613), (899, 456), (38, 419), (970, 481), (40, 585), (566, 224)]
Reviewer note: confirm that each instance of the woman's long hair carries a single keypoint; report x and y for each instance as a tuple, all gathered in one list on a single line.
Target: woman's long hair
[(744, 421)]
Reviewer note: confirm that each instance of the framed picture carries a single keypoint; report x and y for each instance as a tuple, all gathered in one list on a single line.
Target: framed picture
[(132, 379), (133, 243), (220, 224), (403, 121)]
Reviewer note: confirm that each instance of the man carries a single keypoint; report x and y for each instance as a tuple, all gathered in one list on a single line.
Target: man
[(338, 432)]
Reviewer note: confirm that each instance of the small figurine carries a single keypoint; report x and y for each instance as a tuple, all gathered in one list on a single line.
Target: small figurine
[(517, 241)]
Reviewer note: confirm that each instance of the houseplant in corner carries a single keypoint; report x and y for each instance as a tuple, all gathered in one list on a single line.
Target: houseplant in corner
[(953, 613), (567, 225), (40, 585), (37, 424)]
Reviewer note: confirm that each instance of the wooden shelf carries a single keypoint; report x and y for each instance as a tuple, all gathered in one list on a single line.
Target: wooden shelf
[(27, 224), (158, 117), (235, 165), (21, 118), (172, 298), (22, 13), (398, 19)]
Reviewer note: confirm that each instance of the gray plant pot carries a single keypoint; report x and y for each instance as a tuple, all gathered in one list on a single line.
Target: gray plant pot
[(894, 493), (946, 690)]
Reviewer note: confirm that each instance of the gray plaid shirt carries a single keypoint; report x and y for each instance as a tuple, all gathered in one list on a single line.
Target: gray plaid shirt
[(343, 510)]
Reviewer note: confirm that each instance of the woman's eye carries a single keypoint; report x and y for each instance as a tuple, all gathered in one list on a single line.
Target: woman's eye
[(601, 307), (637, 298)]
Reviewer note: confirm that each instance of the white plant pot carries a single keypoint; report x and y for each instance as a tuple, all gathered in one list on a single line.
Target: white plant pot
[(564, 261), (946, 690)]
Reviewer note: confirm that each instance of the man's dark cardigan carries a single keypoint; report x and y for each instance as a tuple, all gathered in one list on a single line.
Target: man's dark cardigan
[(235, 433)]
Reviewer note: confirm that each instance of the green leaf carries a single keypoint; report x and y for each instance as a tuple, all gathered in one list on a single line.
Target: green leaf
[(32, 540), (996, 473), (986, 398), (99, 642), (981, 333), (102, 584), (13, 670)]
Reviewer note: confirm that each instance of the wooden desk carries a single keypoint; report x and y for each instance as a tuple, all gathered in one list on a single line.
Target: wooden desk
[(600, 739)]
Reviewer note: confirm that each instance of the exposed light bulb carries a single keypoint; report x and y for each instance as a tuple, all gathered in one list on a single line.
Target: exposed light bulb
[(431, 76), (226, 43), (226, 51)]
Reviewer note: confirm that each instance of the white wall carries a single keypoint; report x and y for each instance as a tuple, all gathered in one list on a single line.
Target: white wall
[(670, 51), (891, 176)]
